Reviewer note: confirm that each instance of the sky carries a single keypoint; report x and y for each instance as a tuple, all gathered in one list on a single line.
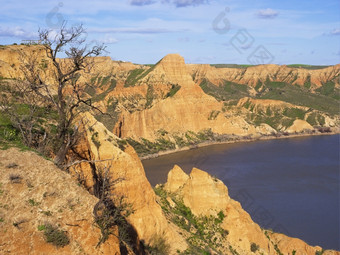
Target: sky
[(202, 31)]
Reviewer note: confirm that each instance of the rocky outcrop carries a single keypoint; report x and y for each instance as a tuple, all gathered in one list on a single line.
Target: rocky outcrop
[(299, 126), (206, 196), (33, 194), (189, 109), (262, 73), (123, 164)]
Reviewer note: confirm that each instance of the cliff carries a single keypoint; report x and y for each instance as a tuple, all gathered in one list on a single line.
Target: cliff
[(106, 151)]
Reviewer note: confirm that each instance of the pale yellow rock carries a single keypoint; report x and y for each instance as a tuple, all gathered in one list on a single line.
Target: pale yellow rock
[(204, 194), (299, 126), (176, 179), (265, 129)]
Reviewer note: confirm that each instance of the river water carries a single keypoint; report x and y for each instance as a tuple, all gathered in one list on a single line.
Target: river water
[(288, 185)]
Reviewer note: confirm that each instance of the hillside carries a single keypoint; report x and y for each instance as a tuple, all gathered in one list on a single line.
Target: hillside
[(44, 211)]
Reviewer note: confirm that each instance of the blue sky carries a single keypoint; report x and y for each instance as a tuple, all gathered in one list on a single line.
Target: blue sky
[(202, 31)]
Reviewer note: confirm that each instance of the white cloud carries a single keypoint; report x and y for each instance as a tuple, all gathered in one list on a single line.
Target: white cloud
[(17, 32), (267, 14)]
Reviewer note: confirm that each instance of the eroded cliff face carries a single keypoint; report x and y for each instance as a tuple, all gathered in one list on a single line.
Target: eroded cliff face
[(252, 75), (189, 109), (34, 193), (107, 151), (177, 98), (207, 196)]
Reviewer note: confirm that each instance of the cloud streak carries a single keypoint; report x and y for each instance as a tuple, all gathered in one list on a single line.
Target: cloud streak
[(186, 3), (177, 3), (141, 2), (335, 31), (267, 14), (134, 30)]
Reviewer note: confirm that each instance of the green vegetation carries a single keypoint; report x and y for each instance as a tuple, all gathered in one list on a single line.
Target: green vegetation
[(231, 66), (41, 227), (159, 246), (229, 90), (133, 77), (307, 83), (213, 115), (149, 97), (254, 247), (173, 90), (278, 251), (233, 251), (54, 236), (328, 89), (316, 119), (136, 75), (294, 113), (95, 140), (300, 96), (319, 252), (32, 202), (309, 67), (145, 147)]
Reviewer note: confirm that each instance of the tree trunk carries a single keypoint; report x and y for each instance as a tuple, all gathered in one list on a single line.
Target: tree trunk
[(61, 155)]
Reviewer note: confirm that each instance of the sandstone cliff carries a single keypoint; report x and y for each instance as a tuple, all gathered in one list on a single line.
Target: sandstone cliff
[(105, 150), (189, 109)]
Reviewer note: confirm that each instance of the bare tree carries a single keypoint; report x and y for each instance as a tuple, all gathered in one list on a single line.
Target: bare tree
[(64, 93)]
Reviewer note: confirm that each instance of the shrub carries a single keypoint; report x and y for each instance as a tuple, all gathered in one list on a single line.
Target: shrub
[(15, 178), (159, 246), (55, 236), (319, 252), (254, 247)]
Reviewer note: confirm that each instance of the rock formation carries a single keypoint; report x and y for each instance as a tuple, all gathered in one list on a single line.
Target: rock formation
[(123, 164)]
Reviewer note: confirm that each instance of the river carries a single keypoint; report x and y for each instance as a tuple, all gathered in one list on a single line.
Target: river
[(288, 185)]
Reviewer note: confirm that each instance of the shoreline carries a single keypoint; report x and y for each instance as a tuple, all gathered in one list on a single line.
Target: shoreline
[(241, 140)]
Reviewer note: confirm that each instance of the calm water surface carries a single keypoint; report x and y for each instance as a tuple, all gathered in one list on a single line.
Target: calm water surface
[(288, 185)]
